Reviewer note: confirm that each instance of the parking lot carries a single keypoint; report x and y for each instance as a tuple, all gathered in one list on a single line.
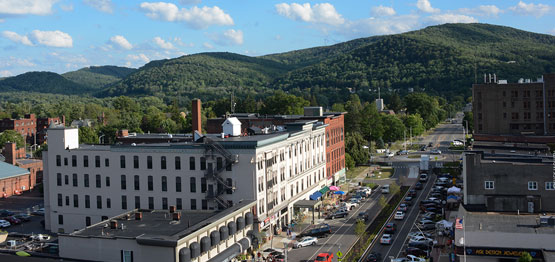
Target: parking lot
[(25, 203)]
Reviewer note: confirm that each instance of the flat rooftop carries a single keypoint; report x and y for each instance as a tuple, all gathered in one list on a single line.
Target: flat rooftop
[(153, 222), (490, 229), (8, 170)]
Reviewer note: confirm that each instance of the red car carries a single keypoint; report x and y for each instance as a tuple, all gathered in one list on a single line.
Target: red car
[(13, 220), (326, 257)]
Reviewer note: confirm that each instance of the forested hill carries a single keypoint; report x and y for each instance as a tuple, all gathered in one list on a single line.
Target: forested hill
[(440, 60), (205, 75), (43, 82), (98, 77)]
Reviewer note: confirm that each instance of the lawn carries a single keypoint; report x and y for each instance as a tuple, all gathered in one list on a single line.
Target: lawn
[(354, 172), (382, 173)]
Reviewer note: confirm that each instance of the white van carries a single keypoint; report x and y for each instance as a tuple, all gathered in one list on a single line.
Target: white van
[(385, 189)]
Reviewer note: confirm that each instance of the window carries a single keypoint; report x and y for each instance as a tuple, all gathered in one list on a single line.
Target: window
[(108, 203), (66, 179), (177, 163), (532, 185), (202, 163), (204, 204), (86, 180), (122, 161), (98, 181), (126, 256), (149, 162), (135, 161), (99, 202), (97, 161), (164, 183), (178, 184), (514, 115), (75, 201), (123, 182), (164, 203), (58, 160), (203, 185), (219, 164), (107, 181), (229, 183), (74, 179), (150, 183), (60, 200), (86, 161), (65, 161), (136, 182), (549, 186), (74, 160), (150, 202), (178, 204), (489, 185), (162, 162), (87, 221), (137, 202), (124, 202), (59, 179), (191, 163), (60, 219), (193, 185), (67, 200), (106, 162), (87, 201), (193, 204)]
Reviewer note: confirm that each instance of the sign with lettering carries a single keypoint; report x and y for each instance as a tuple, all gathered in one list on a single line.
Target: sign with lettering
[(498, 252)]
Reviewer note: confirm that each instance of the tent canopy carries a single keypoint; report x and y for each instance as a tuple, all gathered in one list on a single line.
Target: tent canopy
[(454, 189)]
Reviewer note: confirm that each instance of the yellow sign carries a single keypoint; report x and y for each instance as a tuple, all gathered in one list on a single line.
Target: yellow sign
[(339, 254)]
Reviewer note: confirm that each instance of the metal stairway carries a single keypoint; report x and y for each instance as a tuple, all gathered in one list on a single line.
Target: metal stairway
[(213, 149)]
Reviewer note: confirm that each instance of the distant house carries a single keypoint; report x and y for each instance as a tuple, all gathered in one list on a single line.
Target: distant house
[(82, 123)]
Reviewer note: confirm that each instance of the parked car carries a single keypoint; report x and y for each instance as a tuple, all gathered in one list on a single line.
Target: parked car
[(412, 193), (423, 177), (270, 251), (408, 200), (420, 234), (354, 200), (403, 152), (13, 220), (446, 175), (431, 144), (337, 214), (423, 148), (385, 189), (421, 239), (305, 241), (403, 207), (326, 257), (38, 212), (390, 228), (435, 152), (422, 245), (389, 155), (418, 186), (23, 217), (373, 257), (409, 258), (399, 215), (4, 223), (426, 227), (416, 252), (321, 230), (40, 237), (362, 216), (6, 213), (349, 205), (386, 239)]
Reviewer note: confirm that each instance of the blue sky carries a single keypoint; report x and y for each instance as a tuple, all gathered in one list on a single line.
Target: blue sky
[(64, 35)]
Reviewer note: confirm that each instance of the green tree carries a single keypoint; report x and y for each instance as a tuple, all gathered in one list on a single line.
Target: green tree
[(349, 162), (382, 202), (393, 128), (468, 117), (285, 104), (353, 116), (425, 105), (354, 145), (414, 123), (525, 257), (394, 188), (371, 125), (12, 136), (395, 103), (87, 135), (360, 228)]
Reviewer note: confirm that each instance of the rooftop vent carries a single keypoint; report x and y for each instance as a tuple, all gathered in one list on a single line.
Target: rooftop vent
[(113, 224), (172, 209), (176, 216), (139, 216)]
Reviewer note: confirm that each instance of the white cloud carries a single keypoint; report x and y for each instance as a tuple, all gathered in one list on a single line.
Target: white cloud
[(15, 37), (381, 26), (26, 7), (5, 73), (100, 5), (51, 38), (163, 44), (207, 45), (426, 7), (552, 31), (531, 9), (324, 13), (121, 42), (194, 17), (229, 37), (15, 62), (449, 18), (139, 57), (67, 8), (382, 10), (483, 10)]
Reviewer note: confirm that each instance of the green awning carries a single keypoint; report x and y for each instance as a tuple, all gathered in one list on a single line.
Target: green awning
[(324, 189)]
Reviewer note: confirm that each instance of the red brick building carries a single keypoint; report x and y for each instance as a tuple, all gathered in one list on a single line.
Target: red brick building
[(29, 126), (335, 133), (18, 174)]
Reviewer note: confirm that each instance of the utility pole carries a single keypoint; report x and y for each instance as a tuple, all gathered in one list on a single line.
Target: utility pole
[(405, 138), (410, 135)]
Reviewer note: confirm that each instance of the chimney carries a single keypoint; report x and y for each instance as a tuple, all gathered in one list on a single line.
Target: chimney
[(172, 209), (176, 216), (139, 216), (123, 133), (113, 224), (63, 120), (196, 116), (10, 152)]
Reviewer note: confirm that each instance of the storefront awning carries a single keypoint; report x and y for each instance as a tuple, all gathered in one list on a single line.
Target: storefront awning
[(315, 195), (324, 190)]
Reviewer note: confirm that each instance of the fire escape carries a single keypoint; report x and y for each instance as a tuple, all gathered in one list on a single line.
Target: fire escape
[(213, 149)]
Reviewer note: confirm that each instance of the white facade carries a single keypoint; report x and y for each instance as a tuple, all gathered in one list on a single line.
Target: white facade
[(232, 126), (87, 184)]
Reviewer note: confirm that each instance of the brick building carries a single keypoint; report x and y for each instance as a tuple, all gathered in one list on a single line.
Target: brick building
[(515, 112), (29, 126), (335, 133), (16, 157)]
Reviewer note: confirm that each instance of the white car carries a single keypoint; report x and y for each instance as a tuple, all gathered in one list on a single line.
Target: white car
[(349, 205), (266, 252), (399, 215), (420, 239), (457, 143), (4, 223), (390, 154), (305, 241), (436, 152), (386, 239), (40, 237), (409, 258), (419, 234)]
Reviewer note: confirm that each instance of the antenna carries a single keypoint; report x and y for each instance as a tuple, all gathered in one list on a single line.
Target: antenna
[(232, 101), (379, 94)]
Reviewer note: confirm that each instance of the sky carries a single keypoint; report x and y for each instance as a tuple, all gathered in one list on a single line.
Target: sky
[(65, 35)]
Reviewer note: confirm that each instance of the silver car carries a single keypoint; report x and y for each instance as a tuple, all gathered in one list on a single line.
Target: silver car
[(305, 241)]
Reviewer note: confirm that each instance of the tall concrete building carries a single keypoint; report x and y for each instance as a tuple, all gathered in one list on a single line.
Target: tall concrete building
[(515, 112), (86, 184)]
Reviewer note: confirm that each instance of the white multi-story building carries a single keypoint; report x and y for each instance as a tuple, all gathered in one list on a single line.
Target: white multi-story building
[(86, 184)]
